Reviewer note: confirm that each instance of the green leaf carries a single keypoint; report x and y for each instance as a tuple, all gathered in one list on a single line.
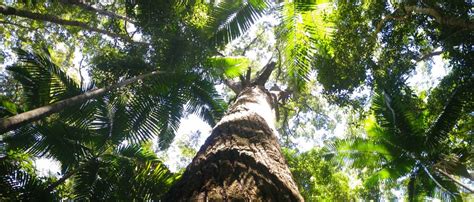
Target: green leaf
[(230, 67)]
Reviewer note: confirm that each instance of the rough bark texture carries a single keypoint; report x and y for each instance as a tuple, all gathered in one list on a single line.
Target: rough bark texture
[(241, 160)]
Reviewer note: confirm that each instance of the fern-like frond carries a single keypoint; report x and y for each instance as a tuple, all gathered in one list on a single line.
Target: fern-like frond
[(231, 19), (303, 27), (43, 81), (449, 116)]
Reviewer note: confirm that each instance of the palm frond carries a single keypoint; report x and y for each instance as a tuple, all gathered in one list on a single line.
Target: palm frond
[(449, 116), (205, 101), (129, 172), (228, 67), (43, 81), (7, 108), (230, 19), (303, 27), (21, 184), (86, 180), (397, 115), (157, 108)]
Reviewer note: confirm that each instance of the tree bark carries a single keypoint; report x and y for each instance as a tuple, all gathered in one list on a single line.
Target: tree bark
[(7, 10), (10, 123), (242, 159)]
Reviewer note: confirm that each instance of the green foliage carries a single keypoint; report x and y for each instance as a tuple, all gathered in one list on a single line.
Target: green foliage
[(82, 137), (403, 141), (230, 19), (343, 44), (18, 180), (126, 173), (43, 81), (229, 67), (303, 28), (347, 54), (317, 177), (375, 40)]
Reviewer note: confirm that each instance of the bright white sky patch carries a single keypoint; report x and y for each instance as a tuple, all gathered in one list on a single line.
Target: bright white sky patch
[(190, 125), (428, 74), (47, 167)]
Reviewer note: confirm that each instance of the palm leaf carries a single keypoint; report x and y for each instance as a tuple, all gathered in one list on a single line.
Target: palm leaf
[(303, 27), (400, 120), (451, 113), (230, 19), (128, 172), (43, 81), (19, 183)]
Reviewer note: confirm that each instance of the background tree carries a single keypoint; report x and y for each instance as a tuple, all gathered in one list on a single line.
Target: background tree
[(318, 178), (406, 139)]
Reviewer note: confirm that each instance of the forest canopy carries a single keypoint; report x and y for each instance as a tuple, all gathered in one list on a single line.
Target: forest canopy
[(180, 100)]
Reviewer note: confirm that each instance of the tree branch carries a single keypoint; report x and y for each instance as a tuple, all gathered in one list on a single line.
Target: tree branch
[(455, 180), (429, 55), (247, 76), (61, 180), (262, 78), (81, 4), (253, 41), (6, 10), (455, 22), (15, 24), (451, 21)]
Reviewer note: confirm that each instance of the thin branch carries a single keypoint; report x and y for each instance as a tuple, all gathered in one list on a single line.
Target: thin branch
[(61, 180), (247, 76), (434, 180), (279, 64), (15, 24), (81, 4), (455, 180), (429, 55), (252, 42), (451, 21), (80, 72), (7, 10), (445, 20)]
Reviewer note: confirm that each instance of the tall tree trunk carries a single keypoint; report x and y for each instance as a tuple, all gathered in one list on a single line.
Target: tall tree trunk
[(7, 10), (10, 123), (242, 159)]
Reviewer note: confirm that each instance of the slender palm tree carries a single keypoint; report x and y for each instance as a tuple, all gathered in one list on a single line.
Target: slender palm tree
[(406, 139)]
